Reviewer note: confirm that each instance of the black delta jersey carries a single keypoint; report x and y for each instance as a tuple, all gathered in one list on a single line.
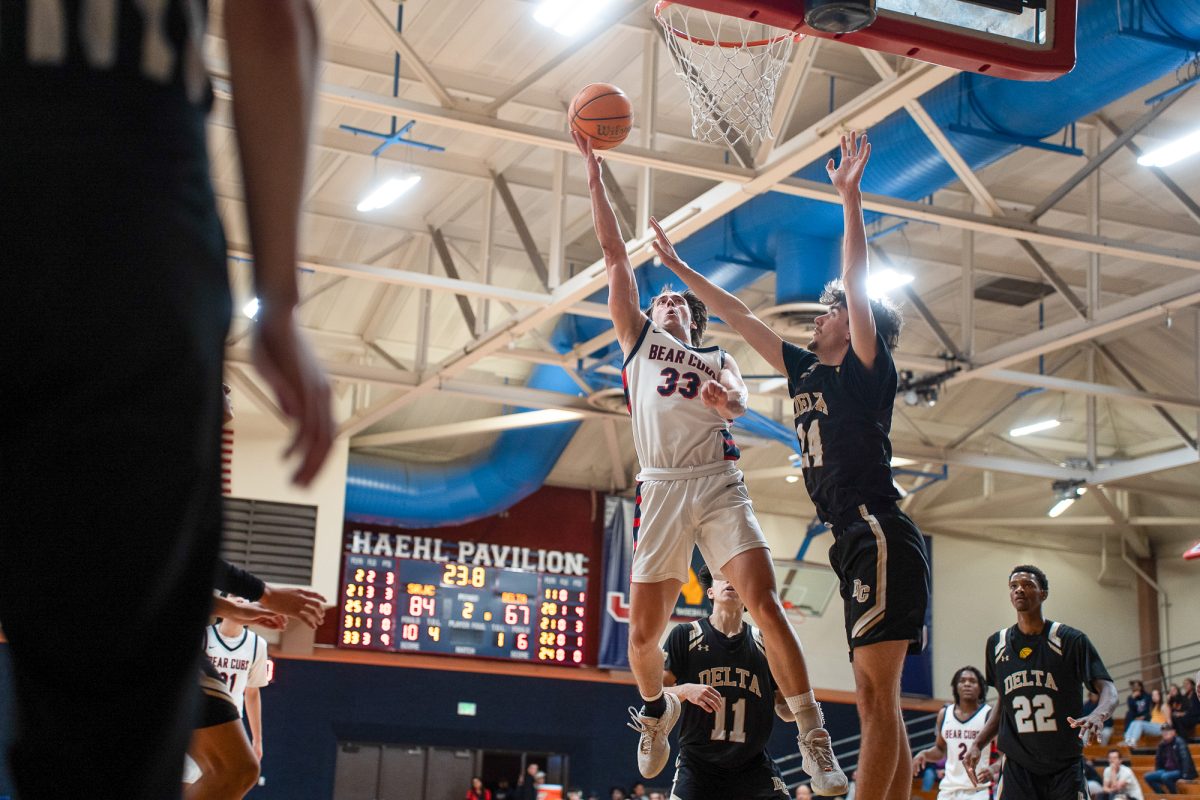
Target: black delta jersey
[(736, 666), (843, 420), (1040, 680)]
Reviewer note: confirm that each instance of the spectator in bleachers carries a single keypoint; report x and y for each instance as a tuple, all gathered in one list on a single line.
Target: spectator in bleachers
[(503, 790), (1137, 704), (478, 791), (637, 791), (1151, 726), (617, 793), (1119, 781), (804, 792), (526, 788), (574, 794), (1172, 762), (656, 795), (1184, 718), (1089, 706)]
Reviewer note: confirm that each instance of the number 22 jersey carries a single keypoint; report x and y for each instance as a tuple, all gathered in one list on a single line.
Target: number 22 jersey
[(1040, 679)]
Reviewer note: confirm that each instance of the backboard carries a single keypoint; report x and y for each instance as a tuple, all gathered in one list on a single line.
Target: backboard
[(805, 589), (1026, 42)]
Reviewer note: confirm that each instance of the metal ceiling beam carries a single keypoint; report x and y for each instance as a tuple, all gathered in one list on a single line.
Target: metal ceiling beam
[(443, 253), (491, 127), (1065, 521), (410, 55), (1008, 227), (872, 106), (1091, 389), (1095, 162), (1190, 205), (518, 222), (1114, 317), (573, 48), (973, 460), (1158, 462), (1128, 375), (791, 87)]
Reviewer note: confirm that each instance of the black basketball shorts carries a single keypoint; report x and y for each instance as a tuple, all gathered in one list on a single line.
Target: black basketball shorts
[(881, 561), (758, 780), (216, 704), (1018, 783)]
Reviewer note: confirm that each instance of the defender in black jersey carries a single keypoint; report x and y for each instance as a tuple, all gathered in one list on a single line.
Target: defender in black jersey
[(1039, 669), (114, 305), (719, 667), (843, 387)]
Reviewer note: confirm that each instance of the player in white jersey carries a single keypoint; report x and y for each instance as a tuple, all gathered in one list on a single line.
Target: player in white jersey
[(238, 656), (681, 397), (958, 725)]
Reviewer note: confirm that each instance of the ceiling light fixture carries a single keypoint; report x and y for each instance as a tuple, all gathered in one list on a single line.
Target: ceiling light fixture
[(1171, 152), (1068, 492), (388, 192), (1034, 427), (568, 17), (792, 478), (882, 281)]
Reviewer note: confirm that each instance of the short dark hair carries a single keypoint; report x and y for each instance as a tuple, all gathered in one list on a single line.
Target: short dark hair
[(1042, 581), (888, 319), (705, 577), (697, 307), (978, 677), (1118, 752)]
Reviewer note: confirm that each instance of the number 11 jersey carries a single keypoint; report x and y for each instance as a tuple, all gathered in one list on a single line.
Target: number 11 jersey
[(1040, 680), (672, 428)]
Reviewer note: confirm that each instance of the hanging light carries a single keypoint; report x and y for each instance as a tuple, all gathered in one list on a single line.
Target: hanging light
[(1171, 152), (882, 281), (388, 192), (1068, 492), (568, 17), (1034, 427)]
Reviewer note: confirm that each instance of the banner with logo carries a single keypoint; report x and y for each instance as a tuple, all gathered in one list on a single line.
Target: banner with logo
[(618, 565)]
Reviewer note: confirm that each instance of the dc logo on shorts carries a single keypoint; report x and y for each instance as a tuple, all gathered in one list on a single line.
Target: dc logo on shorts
[(861, 591)]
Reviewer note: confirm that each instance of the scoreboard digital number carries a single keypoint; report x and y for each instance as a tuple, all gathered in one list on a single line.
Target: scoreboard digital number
[(406, 605)]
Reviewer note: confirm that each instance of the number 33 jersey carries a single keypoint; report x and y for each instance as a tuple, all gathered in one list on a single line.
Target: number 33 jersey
[(1040, 680), (736, 666), (672, 428)]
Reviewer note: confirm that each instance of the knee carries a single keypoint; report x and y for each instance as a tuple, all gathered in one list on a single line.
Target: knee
[(641, 637), (875, 697), (765, 608), (243, 775)]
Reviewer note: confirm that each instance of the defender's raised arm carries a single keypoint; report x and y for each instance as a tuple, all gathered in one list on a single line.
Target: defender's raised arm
[(846, 178)]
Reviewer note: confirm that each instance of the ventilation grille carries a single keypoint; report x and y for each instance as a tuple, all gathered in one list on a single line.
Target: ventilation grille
[(1012, 291), (272, 540)]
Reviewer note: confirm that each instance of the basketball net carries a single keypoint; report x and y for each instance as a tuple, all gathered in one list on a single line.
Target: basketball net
[(730, 67)]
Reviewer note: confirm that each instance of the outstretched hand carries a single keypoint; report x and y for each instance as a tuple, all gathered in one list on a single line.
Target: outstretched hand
[(706, 697), (847, 175), (664, 248), (301, 604), (589, 156), (1089, 727)]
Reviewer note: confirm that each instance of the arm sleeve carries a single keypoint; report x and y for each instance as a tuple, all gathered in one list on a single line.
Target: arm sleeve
[(797, 360), (257, 677), (1088, 663), (237, 581), (676, 652), (877, 384), (989, 668)]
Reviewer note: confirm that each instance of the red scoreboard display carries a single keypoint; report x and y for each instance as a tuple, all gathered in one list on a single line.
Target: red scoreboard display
[(411, 605)]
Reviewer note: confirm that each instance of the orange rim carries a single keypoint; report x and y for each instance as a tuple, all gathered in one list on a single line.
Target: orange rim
[(662, 5)]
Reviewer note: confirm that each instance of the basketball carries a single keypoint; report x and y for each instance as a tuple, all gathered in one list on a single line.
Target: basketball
[(602, 113)]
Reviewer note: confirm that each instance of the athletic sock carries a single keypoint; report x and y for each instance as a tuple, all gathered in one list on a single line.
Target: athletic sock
[(654, 706), (808, 713)]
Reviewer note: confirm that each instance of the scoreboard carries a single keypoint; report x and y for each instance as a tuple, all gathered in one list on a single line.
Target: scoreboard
[(411, 605)]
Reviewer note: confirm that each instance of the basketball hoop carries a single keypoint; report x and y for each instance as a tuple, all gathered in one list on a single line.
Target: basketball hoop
[(730, 67)]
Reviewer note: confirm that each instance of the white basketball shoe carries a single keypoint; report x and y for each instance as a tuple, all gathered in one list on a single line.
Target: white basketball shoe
[(653, 748), (818, 760)]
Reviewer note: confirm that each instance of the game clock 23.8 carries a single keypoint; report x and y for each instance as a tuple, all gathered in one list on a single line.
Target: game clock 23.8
[(464, 609)]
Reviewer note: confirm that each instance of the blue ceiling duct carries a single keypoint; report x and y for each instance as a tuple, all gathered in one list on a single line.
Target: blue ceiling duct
[(800, 238)]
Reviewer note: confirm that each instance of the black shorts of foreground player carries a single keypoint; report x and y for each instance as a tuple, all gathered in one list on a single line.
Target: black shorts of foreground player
[(1039, 668), (843, 386), (681, 399), (718, 667)]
